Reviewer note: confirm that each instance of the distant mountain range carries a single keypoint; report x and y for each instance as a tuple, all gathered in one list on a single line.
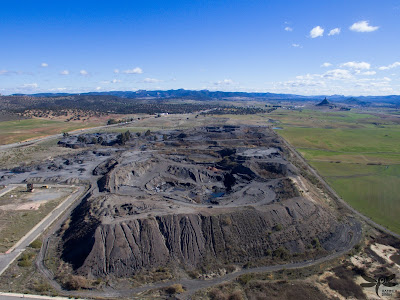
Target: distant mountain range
[(217, 95)]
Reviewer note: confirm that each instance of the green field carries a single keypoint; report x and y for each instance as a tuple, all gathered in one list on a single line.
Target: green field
[(21, 130), (358, 155)]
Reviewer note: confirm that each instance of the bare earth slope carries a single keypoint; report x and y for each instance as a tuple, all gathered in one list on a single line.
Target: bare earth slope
[(225, 195)]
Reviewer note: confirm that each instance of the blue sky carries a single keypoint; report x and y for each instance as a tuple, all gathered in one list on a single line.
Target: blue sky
[(303, 47)]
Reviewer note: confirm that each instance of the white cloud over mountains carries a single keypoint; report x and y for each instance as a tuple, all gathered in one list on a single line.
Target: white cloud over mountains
[(224, 82), (363, 26), (351, 78)]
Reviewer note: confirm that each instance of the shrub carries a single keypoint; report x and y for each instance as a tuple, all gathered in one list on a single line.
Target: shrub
[(36, 244), (175, 289), (281, 253), (216, 294), (75, 282)]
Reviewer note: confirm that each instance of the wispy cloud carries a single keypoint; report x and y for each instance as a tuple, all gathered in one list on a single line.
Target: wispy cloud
[(224, 82), (64, 72), (288, 28), (83, 72), (326, 64), (337, 74), (316, 32), (369, 73), (60, 89), (356, 65), (116, 71), (44, 65), (7, 72), (136, 70), (363, 26), (393, 65), (110, 81), (30, 85), (151, 80), (297, 46), (334, 31)]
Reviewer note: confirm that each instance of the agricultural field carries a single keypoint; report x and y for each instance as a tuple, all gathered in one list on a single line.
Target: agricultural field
[(25, 129), (358, 154)]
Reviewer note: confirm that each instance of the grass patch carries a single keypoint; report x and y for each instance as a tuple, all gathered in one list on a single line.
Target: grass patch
[(21, 130), (357, 154)]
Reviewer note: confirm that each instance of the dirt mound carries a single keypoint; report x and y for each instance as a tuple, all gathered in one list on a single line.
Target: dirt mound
[(188, 203)]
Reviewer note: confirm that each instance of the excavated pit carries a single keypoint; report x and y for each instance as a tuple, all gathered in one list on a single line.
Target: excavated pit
[(213, 194)]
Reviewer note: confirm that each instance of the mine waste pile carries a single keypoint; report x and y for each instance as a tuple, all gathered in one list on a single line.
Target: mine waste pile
[(208, 196)]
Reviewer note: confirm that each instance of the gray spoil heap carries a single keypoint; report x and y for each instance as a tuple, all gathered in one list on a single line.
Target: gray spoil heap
[(213, 194)]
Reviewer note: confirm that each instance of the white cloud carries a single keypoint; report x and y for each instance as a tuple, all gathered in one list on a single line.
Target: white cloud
[(337, 74), (334, 31), (356, 65), (393, 65), (116, 71), (287, 28), (65, 72), (115, 80), (326, 64), (98, 88), (7, 72), (83, 72), (338, 81), (316, 32), (30, 85), (363, 26), (151, 80), (136, 70), (58, 89), (297, 46), (224, 82), (44, 65)]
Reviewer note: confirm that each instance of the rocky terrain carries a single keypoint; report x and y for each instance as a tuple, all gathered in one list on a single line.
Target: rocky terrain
[(187, 199), (210, 196)]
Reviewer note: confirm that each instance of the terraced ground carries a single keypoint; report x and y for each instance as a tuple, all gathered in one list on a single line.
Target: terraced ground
[(357, 153)]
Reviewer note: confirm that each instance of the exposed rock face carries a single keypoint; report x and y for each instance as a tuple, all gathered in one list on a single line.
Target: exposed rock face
[(154, 207), (122, 248)]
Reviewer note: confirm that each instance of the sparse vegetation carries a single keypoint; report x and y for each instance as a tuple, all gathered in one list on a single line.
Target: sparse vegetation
[(36, 244)]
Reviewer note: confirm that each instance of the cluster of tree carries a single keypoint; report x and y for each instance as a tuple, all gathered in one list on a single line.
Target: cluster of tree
[(97, 104), (233, 110), (122, 138)]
